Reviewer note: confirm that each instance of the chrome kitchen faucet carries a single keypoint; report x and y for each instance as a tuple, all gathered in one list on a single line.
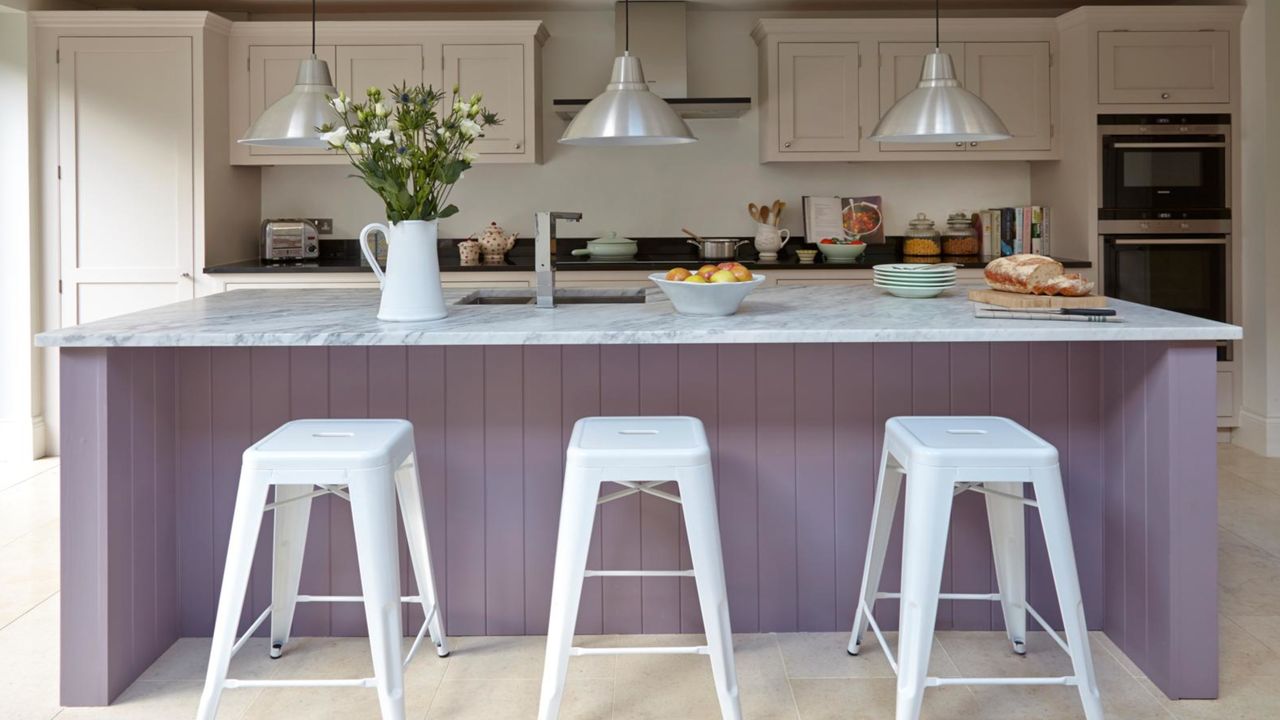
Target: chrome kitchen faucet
[(544, 253)]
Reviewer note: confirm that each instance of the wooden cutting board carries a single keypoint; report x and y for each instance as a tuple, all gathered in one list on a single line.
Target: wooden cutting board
[(1018, 300)]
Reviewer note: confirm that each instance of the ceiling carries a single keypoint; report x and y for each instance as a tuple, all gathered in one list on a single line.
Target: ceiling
[(903, 7)]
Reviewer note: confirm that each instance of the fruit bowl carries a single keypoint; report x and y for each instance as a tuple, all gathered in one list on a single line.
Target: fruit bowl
[(706, 299), (842, 252)]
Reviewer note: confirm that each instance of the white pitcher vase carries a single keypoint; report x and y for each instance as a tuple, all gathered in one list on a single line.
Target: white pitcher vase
[(411, 284)]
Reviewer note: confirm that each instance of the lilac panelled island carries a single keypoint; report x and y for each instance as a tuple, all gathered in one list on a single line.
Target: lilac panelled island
[(794, 391)]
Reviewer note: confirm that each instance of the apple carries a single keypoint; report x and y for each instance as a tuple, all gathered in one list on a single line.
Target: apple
[(706, 269), (740, 272), (723, 276), (678, 274), (726, 265), (695, 279)]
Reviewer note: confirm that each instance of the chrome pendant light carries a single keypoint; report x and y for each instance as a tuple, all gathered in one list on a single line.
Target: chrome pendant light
[(292, 120), (939, 110), (627, 112)]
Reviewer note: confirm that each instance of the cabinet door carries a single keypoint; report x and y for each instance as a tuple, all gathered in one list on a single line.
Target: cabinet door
[(497, 72), (1013, 78), (361, 67), (818, 97), (125, 144), (1164, 67), (900, 66), (272, 72)]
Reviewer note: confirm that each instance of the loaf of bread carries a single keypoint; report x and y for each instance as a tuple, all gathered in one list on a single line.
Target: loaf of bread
[(1034, 275)]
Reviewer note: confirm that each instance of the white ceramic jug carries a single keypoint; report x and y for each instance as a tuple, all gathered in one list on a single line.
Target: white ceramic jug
[(769, 240), (411, 284)]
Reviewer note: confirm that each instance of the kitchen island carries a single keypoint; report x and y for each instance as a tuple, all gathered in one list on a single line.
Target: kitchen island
[(794, 391)]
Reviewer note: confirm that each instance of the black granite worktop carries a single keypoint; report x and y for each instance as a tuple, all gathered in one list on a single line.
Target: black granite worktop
[(338, 256)]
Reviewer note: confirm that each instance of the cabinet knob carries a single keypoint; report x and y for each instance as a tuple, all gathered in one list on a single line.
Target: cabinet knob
[(959, 144), (786, 144), (973, 144), (186, 275), (1164, 96), (517, 146)]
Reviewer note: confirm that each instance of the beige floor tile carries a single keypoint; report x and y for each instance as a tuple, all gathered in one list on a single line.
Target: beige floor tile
[(28, 505), (825, 655), (1244, 655), (188, 658), (165, 701), (29, 664), (875, 698), (480, 699), (1249, 510), (521, 658), (28, 572), (1248, 577), (12, 473), (1266, 628)]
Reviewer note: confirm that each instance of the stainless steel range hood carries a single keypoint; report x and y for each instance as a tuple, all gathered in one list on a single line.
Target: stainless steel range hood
[(659, 39)]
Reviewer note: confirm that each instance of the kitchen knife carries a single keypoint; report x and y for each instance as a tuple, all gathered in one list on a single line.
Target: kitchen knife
[(1091, 312)]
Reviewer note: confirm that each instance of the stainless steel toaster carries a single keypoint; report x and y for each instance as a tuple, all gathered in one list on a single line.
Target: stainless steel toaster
[(290, 239)]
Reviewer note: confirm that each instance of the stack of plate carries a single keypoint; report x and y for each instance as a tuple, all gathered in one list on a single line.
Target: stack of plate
[(915, 281)]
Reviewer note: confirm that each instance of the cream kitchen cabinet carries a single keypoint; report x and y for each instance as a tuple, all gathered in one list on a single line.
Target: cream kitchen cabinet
[(1191, 66), (498, 59), (131, 158), (818, 97), (1012, 77)]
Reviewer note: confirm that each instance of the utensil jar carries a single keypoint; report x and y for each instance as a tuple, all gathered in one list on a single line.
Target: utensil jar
[(769, 240)]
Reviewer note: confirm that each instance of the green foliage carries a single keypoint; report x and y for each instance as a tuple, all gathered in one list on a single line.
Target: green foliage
[(408, 149)]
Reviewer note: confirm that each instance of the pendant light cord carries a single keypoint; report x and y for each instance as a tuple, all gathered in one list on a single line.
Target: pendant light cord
[(626, 25), (937, 24), (313, 28)]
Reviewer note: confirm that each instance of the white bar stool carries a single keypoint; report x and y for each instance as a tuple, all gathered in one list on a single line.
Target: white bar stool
[(368, 463), (639, 453), (943, 457)]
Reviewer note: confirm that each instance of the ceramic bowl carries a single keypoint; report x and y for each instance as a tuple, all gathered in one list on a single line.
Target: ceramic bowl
[(913, 292), (706, 299), (841, 252)]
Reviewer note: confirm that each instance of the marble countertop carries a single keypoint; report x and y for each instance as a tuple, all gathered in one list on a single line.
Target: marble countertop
[(787, 314)]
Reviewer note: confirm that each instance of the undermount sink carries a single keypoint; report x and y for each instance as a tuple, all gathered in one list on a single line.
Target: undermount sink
[(566, 296)]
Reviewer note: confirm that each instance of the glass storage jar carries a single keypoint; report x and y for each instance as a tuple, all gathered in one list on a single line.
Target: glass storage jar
[(960, 237), (921, 238)]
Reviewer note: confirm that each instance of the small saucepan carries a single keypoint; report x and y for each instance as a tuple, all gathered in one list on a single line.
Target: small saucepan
[(714, 248)]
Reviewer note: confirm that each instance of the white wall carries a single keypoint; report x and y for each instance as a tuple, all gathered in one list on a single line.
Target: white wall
[(1260, 156), (21, 433), (656, 191)]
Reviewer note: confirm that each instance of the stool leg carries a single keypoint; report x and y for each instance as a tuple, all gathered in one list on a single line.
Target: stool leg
[(698, 500), (924, 550), (415, 530), (251, 499), (290, 541), (888, 488), (1007, 520), (1062, 561), (373, 517), (577, 514)]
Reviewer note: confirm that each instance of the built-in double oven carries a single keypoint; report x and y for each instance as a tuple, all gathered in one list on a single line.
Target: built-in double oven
[(1165, 213)]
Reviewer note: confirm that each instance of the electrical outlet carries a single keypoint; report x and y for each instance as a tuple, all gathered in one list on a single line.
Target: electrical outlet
[(324, 226)]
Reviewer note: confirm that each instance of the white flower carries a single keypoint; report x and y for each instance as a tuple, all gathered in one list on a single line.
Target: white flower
[(379, 109), (380, 137), (336, 137), (470, 155), (353, 148), (339, 103), (469, 128)]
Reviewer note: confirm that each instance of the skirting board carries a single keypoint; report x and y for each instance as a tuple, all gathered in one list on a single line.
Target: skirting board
[(22, 439), (1258, 433)]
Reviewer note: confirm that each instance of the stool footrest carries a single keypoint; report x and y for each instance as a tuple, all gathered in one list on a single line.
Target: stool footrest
[(352, 598), (676, 650), (939, 681), (360, 682), (638, 573), (989, 597)]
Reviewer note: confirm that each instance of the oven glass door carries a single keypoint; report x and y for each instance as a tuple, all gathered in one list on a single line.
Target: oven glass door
[(1151, 173), (1186, 275)]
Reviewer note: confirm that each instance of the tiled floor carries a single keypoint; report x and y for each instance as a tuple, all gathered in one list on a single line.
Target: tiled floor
[(805, 676)]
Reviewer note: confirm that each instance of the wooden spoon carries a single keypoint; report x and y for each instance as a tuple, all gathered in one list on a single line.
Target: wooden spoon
[(754, 211), (778, 207), (692, 234), (764, 215)]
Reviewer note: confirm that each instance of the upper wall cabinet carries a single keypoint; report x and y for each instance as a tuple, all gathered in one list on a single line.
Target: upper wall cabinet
[(824, 84), (497, 59), (1164, 67), (818, 97)]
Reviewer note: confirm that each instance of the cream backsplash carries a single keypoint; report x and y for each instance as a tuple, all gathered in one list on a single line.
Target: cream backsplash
[(655, 191)]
